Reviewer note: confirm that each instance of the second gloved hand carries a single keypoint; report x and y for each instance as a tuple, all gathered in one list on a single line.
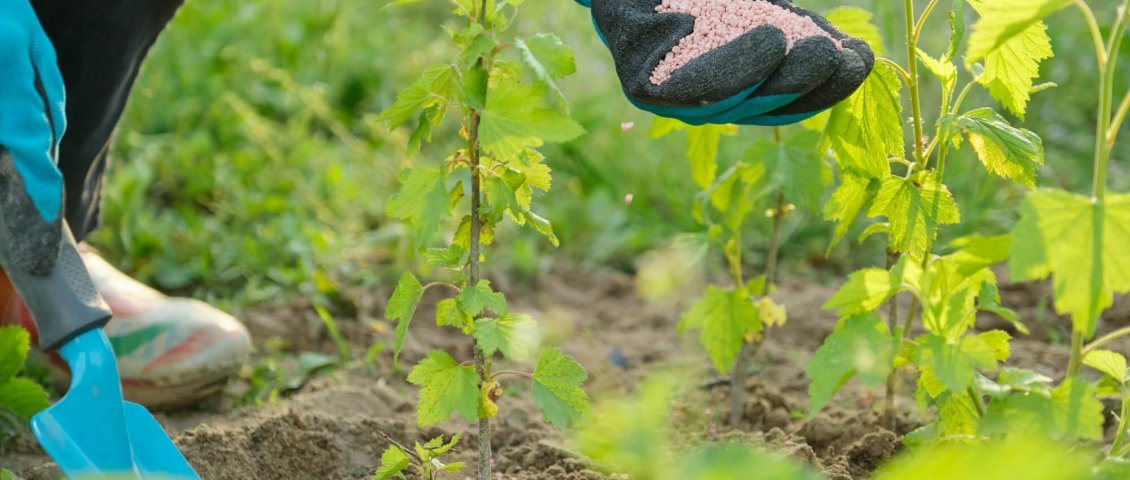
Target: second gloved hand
[(756, 62), (32, 121)]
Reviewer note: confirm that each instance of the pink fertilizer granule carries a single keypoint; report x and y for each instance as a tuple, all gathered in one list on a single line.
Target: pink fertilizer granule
[(718, 22)]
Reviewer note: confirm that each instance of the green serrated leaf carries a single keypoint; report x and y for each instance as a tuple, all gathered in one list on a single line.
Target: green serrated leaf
[(514, 120), (422, 201), (914, 209), (23, 397), (862, 346), (955, 364), (865, 291), (444, 447), (14, 344), (928, 383), (944, 70), (450, 257), (549, 58), (997, 341), (500, 198), (1109, 362), (1076, 411), (702, 151), (866, 129), (542, 226), (957, 28), (538, 174), (453, 467), (476, 298), (434, 86), (1006, 151), (664, 126), (846, 202), (989, 300), (449, 314), (978, 252), (393, 462), (1080, 243), (724, 317), (1002, 20), (513, 334), (557, 388), (957, 415), (795, 166), (1011, 69), (402, 306), (446, 388)]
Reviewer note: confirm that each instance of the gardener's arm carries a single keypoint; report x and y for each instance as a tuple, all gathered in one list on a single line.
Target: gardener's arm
[(37, 252), (32, 122)]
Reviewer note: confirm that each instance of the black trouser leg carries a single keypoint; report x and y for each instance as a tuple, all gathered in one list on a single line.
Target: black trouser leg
[(100, 45)]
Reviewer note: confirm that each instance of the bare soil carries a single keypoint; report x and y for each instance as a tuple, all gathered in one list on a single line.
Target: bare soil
[(333, 427)]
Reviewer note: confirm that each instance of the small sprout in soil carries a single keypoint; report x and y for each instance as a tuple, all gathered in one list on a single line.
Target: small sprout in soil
[(424, 459)]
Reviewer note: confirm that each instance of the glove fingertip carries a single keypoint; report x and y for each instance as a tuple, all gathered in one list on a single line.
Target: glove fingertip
[(809, 64), (850, 75)]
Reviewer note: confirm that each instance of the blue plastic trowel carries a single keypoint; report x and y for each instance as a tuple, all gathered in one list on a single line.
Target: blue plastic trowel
[(92, 432)]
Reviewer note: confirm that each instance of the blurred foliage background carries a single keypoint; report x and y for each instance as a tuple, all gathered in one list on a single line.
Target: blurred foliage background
[(249, 167)]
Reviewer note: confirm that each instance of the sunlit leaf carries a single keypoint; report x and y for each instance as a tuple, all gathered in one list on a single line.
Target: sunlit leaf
[(861, 346), (1081, 244)]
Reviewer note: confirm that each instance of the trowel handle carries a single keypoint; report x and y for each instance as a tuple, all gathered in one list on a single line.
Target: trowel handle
[(63, 303)]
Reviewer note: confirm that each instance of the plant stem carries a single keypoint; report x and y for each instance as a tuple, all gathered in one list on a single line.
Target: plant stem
[(515, 373), (915, 96), (485, 454), (919, 162), (975, 397), (1120, 435), (741, 365), (922, 20), (1096, 33), (1106, 100), (473, 278), (1075, 363), (774, 245), (1105, 339), (892, 324), (903, 74), (1119, 117)]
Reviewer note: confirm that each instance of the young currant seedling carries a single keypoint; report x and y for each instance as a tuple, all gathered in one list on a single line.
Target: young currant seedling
[(788, 171), (424, 459), (504, 119), (1080, 242), (879, 178), (20, 398)]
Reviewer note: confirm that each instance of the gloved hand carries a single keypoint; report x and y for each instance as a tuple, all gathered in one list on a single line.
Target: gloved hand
[(32, 121), (752, 62)]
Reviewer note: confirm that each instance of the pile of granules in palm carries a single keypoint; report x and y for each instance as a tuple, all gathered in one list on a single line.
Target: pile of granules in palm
[(718, 22)]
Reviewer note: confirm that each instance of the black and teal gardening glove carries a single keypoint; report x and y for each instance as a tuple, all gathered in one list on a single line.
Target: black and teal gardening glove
[(751, 62), (32, 122)]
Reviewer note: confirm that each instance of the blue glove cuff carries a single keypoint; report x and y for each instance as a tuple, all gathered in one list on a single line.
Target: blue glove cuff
[(587, 3), (32, 98)]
